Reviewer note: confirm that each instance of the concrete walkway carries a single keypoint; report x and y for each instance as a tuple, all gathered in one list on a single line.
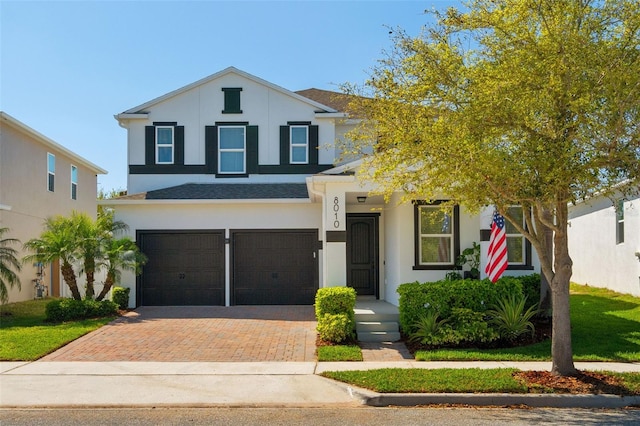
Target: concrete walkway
[(292, 384)]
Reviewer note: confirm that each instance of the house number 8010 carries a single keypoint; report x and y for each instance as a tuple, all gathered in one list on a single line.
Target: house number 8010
[(336, 209)]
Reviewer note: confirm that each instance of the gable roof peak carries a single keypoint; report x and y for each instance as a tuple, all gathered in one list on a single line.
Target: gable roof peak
[(229, 70)]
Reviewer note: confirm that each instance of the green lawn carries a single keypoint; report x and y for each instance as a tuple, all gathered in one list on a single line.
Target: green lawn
[(605, 327), (339, 353), (447, 380), (25, 336)]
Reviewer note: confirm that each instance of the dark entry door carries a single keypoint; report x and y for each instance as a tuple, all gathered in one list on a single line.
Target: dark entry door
[(362, 253)]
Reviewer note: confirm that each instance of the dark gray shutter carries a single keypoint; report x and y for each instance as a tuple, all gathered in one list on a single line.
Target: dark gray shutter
[(149, 145), (178, 145), (211, 148), (284, 145), (313, 144), (252, 149)]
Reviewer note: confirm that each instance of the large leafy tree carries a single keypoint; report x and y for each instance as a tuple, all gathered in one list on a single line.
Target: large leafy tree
[(527, 102), (9, 265)]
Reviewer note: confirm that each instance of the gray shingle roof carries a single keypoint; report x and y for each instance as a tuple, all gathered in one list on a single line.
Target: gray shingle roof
[(230, 191)]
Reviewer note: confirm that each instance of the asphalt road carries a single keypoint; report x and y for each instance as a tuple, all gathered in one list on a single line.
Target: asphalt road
[(318, 416)]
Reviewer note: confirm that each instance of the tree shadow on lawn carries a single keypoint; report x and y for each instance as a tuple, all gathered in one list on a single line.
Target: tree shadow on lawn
[(605, 328)]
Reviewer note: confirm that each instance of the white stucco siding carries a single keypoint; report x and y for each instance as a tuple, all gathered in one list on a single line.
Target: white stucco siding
[(223, 216), (202, 106), (597, 259), (400, 247)]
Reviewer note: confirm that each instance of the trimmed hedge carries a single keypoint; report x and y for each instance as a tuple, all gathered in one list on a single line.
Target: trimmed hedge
[(334, 307), (120, 295), (445, 296), (60, 310)]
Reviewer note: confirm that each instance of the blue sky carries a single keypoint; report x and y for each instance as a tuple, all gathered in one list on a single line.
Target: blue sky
[(67, 67)]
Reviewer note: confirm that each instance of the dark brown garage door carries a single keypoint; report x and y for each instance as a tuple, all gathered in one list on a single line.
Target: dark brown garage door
[(274, 267), (184, 268)]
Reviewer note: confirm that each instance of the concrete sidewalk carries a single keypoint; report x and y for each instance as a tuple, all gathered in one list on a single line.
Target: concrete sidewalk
[(195, 384)]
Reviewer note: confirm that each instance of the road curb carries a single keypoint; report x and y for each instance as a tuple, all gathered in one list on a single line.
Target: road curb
[(531, 400)]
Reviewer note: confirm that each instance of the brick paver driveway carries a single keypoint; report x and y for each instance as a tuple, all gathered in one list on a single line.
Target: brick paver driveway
[(200, 333)]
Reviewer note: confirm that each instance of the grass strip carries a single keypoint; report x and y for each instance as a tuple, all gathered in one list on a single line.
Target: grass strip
[(444, 380), (339, 353)]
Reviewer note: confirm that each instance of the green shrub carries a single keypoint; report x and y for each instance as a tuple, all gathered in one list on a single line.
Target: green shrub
[(531, 288), (512, 318), (470, 327), (120, 295), (427, 328), (60, 310), (335, 313), (335, 327), (444, 296)]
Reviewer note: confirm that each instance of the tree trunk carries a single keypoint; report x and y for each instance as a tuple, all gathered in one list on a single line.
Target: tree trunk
[(544, 305), (108, 283), (561, 350), (70, 278), (90, 266)]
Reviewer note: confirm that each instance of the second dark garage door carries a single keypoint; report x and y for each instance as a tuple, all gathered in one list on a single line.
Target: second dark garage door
[(274, 267)]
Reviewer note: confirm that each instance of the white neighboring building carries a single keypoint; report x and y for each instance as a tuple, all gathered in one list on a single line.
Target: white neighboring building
[(40, 178), (604, 243)]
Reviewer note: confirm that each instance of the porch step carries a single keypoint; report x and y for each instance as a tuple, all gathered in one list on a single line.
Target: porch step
[(376, 321), (378, 336), (376, 326)]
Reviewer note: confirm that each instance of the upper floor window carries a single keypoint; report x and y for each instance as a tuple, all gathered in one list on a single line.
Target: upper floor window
[(164, 145), (74, 183), (231, 150), (620, 222), (51, 172), (232, 100), (299, 138), (437, 236)]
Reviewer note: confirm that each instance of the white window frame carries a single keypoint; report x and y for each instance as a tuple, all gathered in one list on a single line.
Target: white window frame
[(517, 235), (223, 150), (304, 145), (51, 174), (74, 182), (172, 145), (451, 235), (620, 221)]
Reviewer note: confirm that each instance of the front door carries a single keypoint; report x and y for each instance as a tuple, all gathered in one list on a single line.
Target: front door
[(362, 253)]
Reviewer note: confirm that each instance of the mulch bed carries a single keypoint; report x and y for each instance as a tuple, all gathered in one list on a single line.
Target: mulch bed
[(584, 382)]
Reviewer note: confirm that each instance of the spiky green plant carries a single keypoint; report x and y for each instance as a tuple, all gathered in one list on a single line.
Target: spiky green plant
[(426, 327), (510, 317), (9, 264)]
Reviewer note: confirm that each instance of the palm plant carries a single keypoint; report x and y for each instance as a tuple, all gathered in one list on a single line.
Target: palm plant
[(511, 318), (9, 264), (59, 241), (120, 254)]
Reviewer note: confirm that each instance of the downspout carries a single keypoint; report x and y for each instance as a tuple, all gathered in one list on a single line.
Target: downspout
[(320, 194)]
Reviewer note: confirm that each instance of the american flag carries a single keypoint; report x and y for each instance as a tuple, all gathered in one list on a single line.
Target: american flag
[(497, 259)]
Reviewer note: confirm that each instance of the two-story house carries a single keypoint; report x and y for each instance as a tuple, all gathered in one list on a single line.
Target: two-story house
[(40, 178), (236, 197)]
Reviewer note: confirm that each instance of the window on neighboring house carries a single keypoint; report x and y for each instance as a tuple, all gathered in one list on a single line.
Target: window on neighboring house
[(164, 145), (516, 250), (51, 172), (232, 100), (231, 150), (74, 183), (437, 240), (620, 222), (299, 138)]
